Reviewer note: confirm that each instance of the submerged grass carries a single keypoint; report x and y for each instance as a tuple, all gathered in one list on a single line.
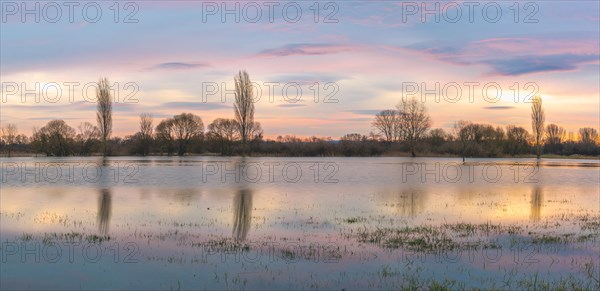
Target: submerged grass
[(69, 237), (447, 236)]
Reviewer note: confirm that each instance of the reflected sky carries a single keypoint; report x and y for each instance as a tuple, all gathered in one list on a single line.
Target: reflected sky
[(364, 187), (170, 212)]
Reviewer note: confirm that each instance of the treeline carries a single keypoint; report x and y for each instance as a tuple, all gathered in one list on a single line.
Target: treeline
[(400, 131), (408, 126), (185, 134)]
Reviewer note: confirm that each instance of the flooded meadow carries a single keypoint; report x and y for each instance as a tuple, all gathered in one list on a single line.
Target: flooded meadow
[(179, 223)]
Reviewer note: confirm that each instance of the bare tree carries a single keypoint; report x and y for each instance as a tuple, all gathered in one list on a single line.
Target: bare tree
[(186, 127), (387, 123), (9, 136), (104, 113), (588, 135), (255, 133), (537, 123), (145, 134), (554, 134), (516, 139), (244, 106), (465, 134), (414, 120), (55, 138), (225, 131), (353, 137), (437, 137), (225, 128), (88, 133), (165, 135)]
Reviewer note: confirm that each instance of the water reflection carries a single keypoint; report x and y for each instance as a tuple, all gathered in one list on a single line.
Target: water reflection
[(104, 211), (407, 202), (104, 200), (537, 197), (242, 214), (412, 202)]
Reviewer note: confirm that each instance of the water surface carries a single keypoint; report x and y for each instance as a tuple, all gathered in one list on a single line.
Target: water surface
[(299, 223)]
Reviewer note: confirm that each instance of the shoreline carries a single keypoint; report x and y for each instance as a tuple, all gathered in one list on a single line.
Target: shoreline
[(393, 155)]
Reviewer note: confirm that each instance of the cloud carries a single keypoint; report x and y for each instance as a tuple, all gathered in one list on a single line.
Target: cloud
[(498, 107), (533, 64), (176, 66), (79, 106), (291, 105), (310, 79), (357, 119), (518, 56), (304, 49), (48, 118), (194, 106), (364, 111)]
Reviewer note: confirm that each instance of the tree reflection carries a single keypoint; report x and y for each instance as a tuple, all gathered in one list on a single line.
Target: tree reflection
[(407, 202), (537, 197), (242, 215), (105, 199), (411, 202), (104, 211)]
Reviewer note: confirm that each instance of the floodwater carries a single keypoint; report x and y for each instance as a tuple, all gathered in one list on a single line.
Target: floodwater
[(180, 223)]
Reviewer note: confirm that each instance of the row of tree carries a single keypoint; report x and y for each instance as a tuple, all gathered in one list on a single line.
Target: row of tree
[(405, 129), (466, 139), (410, 124), (172, 135)]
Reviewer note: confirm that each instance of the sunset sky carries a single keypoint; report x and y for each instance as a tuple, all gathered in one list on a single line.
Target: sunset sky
[(369, 53)]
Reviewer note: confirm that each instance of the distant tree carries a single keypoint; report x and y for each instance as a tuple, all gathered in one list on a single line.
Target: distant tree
[(554, 134), (374, 136), (387, 122), (104, 113), (145, 134), (165, 135), (255, 132), (516, 139), (9, 137), (588, 135), (353, 137), (244, 106), (225, 131), (537, 123), (464, 131), (437, 137), (588, 139), (415, 121), (495, 141), (55, 139), (186, 126), (554, 138), (356, 144), (88, 134)]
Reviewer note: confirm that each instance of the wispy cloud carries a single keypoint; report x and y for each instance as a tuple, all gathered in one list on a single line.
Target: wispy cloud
[(194, 105), (176, 66), (538, 63), (364, 111), (514, 56), (498, 107), (304, 49), (291, 105)]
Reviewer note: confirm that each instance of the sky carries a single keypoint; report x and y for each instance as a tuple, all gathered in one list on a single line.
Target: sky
[(322, 68)]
